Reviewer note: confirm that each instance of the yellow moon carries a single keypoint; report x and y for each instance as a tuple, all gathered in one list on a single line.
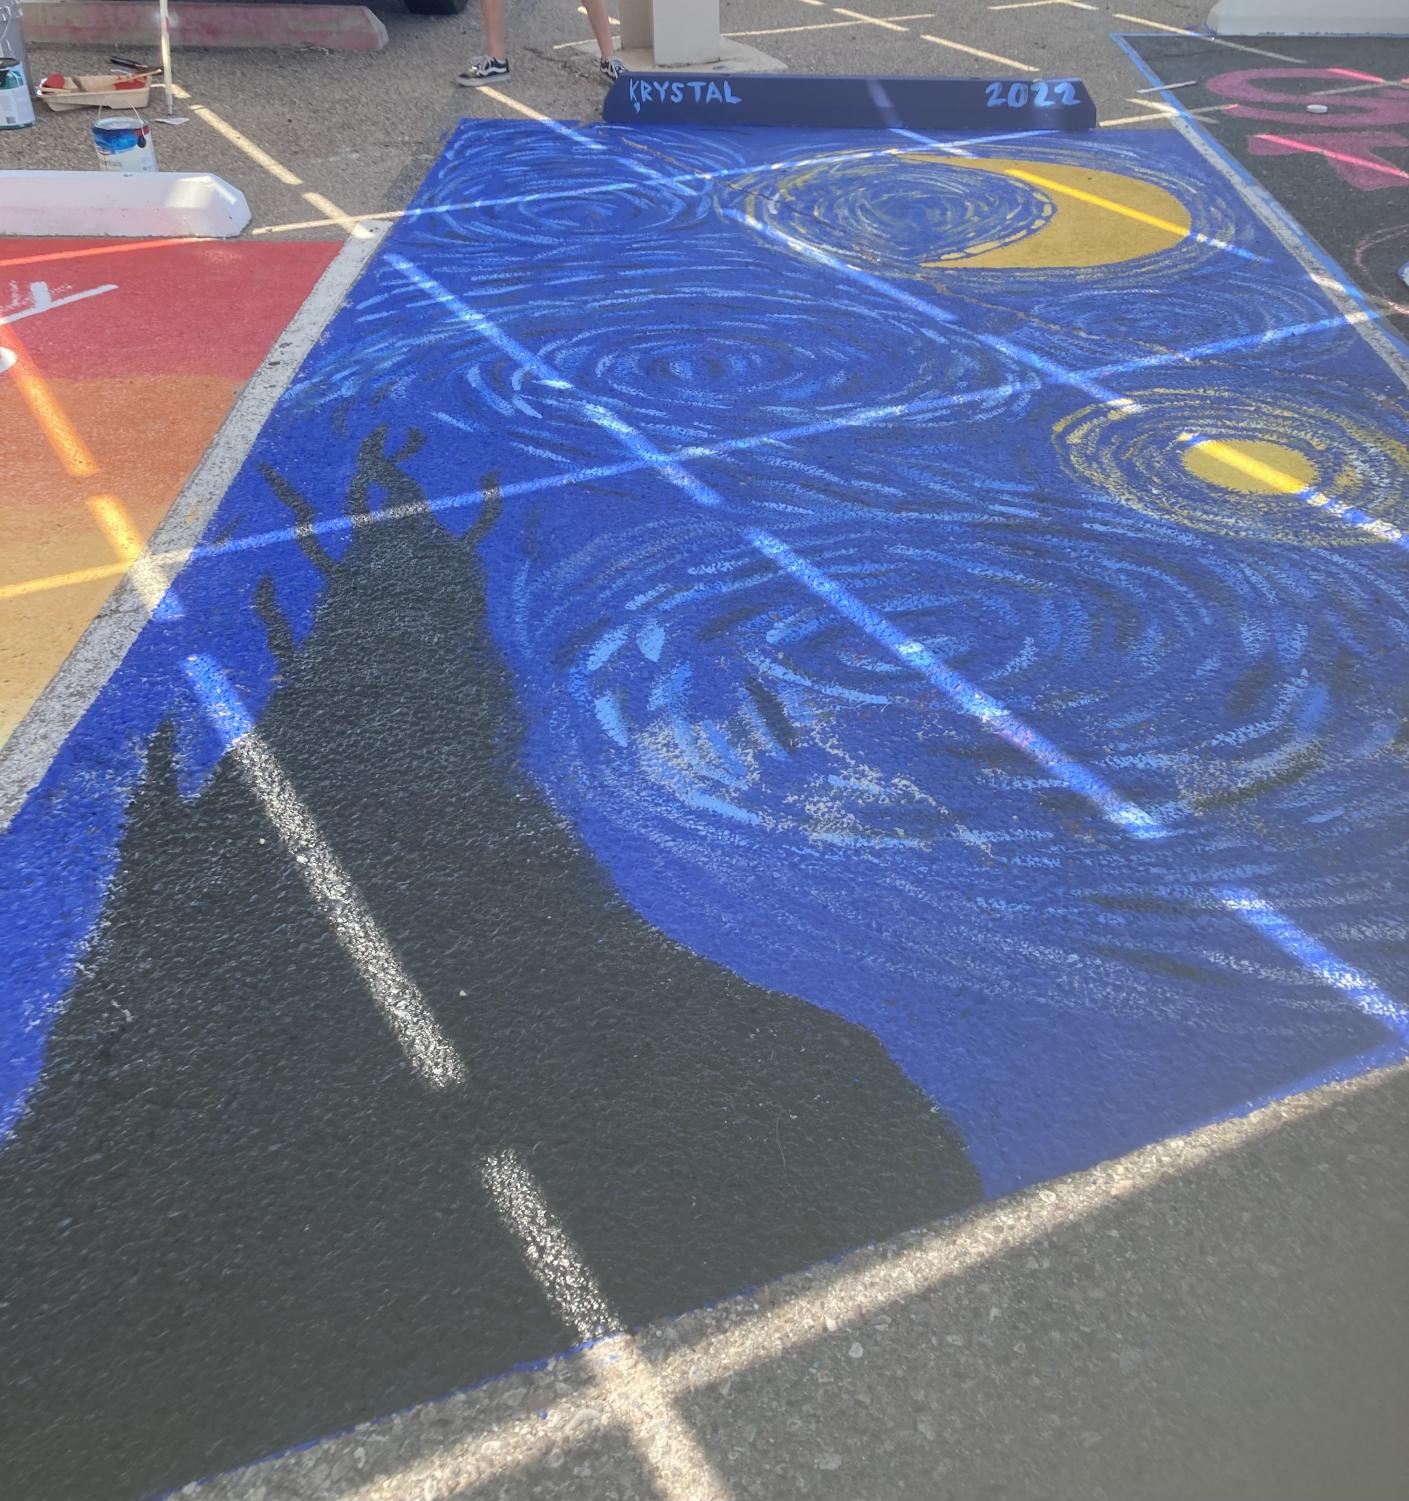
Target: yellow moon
[(1101, 217)]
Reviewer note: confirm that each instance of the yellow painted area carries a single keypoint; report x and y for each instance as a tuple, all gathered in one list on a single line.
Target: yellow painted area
[(1081, 216), (112, 516), (96, 467), (1251, 466), (45, 409), (44, 582), (1293, 469), (1101, 218)]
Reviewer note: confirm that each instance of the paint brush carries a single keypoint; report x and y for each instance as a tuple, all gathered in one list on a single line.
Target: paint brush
[(141, 69)]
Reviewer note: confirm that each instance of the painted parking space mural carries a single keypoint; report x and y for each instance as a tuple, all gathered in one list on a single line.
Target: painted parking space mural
[(787, 681)]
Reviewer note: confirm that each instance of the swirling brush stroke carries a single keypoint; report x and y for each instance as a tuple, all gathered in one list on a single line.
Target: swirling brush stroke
[(769, 785), (948, 211), (733, 342), (1331, 440)]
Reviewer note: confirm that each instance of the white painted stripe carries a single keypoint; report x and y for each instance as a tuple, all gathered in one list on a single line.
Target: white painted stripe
[(788, 30), (257, 154), (44, 303), (1204, 36), (548, 1249), (990, 57), (350, 224), (148, 578), (1158, 110), (34, 742), (1200, 36), (856, 15), (396, 994), (626, 1383)]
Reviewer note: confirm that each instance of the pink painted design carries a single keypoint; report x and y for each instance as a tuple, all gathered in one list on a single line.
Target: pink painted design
[(1360, 165), (1345, 111)]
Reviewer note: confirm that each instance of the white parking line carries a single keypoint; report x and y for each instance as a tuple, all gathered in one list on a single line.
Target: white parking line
[(989, 57), (41, 301), (396, 994), (626, 1383), (1200, 36)]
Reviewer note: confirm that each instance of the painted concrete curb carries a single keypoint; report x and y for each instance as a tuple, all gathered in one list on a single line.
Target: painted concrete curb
[(850, 103), (118, 23), (139, 204), (1308, 18)]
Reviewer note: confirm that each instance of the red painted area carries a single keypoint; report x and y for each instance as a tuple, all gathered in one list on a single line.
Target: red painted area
[(118, 363), (180, 307)]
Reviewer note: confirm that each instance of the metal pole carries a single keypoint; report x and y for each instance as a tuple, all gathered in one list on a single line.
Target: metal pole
[(164, 15)]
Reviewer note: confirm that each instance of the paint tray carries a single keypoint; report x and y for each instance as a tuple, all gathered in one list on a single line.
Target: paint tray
[(94, 90)]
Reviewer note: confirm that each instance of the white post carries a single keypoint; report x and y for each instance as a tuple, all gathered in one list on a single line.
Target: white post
[(164, 19), (635, 25), (679, 33), (685, 32)]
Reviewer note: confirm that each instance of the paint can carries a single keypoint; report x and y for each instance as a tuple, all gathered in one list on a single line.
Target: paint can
[(16, 107), (16, 102), (124, 143)]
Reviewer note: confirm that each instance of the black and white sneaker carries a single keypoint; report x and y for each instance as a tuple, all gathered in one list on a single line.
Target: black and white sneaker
[(611, 68), (483, 70)]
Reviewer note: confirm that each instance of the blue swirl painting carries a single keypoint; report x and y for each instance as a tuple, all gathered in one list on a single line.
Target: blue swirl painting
[(962, 585)]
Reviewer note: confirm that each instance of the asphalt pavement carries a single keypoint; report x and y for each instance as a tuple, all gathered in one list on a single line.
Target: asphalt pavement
[(1219, 1317)]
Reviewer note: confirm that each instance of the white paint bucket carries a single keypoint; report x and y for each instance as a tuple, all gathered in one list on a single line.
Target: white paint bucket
[(124, 143), (16, 98), (16, 107)]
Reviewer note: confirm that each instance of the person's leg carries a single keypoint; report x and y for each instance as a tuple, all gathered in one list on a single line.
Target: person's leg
[(484, 70), (494, 38), (596, 15)]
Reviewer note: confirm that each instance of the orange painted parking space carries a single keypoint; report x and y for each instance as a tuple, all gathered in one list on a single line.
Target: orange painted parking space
[(119, 360)]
